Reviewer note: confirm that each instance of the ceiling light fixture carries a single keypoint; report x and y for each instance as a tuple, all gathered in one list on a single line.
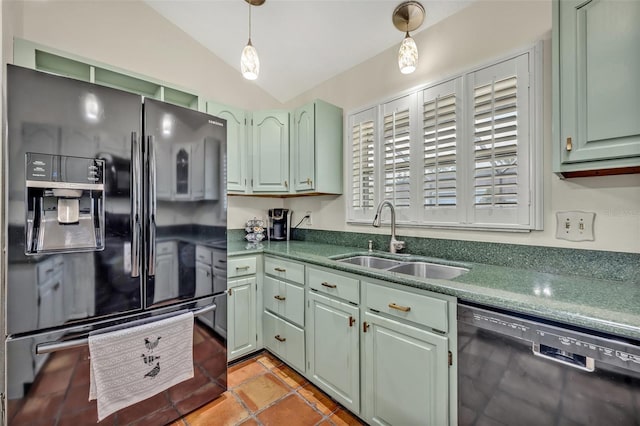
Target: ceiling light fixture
[(249, 61), (408, 16)]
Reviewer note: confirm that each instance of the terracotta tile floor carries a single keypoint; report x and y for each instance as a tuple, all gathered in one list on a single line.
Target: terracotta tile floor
[(264, 391)]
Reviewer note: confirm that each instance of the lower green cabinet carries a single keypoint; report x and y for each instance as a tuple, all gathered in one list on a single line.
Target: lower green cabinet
[(333, 348), (405, 376), (242, 335), (284, 339)]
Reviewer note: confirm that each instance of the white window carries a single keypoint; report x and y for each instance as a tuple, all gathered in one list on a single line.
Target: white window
[(463, 153), (362, 188)]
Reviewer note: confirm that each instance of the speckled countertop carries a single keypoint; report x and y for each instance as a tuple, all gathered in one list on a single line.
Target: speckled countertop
[(603, 305)]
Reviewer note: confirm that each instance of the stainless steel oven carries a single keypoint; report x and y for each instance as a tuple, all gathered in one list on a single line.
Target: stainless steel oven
[(518, 370)]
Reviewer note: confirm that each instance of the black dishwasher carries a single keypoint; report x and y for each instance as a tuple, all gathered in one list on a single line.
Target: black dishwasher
[(519, 370)]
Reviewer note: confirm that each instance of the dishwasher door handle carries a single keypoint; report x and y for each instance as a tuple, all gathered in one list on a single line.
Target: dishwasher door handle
[(580, 362)]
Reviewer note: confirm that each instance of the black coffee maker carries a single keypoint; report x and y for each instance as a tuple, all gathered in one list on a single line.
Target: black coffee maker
[(279, 224)]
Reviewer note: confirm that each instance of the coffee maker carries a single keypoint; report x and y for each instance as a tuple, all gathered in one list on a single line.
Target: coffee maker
[(279, 224)]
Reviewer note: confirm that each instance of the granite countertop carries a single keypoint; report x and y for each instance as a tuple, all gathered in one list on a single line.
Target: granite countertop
[(602, 305)]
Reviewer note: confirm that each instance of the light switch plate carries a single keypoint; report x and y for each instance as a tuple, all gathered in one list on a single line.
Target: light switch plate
[(575, 225)]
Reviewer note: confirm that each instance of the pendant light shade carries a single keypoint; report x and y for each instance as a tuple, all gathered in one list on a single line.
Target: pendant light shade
[(408, 55), (249, 61), (408, 16)]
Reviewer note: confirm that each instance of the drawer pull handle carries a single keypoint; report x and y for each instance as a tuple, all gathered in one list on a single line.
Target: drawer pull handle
[(279, 297), (230, 291), (326, 284), (569, 144), (241, 268), (280, 339), (280, 270), (352, 321), (365, 327), (400, 308)]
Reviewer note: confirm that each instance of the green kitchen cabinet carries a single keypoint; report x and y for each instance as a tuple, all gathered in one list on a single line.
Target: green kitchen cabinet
[(596, 91), (333, 348), (316, 145), (243, 274), (405, 374), (241, 313), (238, 154), (270, 142)]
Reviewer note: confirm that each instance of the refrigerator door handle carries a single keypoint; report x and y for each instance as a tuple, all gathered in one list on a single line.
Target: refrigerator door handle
[(152, 206), (136, 211), (49, 347)]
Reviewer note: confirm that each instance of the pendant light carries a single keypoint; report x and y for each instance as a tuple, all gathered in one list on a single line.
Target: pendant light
[(408, 16), (249, 61)]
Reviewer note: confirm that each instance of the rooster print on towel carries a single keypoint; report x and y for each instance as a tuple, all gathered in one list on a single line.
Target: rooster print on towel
[(149, 358)]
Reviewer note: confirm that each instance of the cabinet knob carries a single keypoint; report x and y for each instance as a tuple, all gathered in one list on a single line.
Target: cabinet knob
[(352, 321), (230, 292), (309, 181), (286, 184), (365, 327), (281, 298), (280, 339), (569, 144)]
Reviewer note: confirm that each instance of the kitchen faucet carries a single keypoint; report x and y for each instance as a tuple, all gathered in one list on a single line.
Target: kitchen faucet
[(394, 244)]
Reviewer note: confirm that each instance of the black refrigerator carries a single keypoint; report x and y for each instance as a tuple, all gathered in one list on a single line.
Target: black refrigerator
[(111, 198)]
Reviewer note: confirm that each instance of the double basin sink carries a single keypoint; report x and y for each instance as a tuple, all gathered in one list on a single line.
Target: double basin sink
[(408, 267)]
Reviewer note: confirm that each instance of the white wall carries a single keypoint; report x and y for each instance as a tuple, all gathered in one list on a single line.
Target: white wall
[(132, 36), (486, 30)]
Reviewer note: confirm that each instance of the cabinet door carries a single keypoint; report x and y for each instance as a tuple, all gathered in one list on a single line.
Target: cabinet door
[(237, 145), (406, 374), (333, 348), (303, 146), (270, 151), (204, 279), (196, 178), (599, 90), (241, 317), (164, 272)]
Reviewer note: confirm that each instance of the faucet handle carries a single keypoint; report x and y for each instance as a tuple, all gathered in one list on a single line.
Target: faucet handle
[(397, 245), (370, 246)]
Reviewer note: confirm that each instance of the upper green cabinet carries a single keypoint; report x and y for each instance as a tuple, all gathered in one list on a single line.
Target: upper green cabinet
[(270, 140), (237, 145), (316, 145), (596, 91)]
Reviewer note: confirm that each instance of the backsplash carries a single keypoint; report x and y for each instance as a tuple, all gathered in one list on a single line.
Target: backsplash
[(555, 260)]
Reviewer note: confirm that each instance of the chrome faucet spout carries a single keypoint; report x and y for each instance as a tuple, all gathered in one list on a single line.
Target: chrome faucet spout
[(394, 244)]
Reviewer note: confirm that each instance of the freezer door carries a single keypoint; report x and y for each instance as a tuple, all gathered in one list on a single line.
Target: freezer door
[(53, 388), (52, 122), (185, 199)]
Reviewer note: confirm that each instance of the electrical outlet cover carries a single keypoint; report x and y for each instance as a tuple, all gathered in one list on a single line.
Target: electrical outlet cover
[(575, 225)]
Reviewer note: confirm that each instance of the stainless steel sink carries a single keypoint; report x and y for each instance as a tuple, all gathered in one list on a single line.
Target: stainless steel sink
[(371, 262), (428, 270)]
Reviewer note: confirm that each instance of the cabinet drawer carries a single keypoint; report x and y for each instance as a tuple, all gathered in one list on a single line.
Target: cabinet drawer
[(284, 269), (284, 299), (239, 266), (204, 255), (418, 308), (285, 340), (336, 285), (166, 247)]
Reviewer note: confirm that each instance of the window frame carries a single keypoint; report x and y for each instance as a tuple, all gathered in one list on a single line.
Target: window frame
[(529, 214)]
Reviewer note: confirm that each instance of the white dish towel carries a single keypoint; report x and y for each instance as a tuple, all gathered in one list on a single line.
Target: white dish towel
[(136, 363)]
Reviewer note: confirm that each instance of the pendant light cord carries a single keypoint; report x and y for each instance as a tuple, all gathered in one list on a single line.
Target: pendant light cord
[(249, 23)]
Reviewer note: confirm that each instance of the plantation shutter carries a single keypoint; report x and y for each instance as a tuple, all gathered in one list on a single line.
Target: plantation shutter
[(441, 123), (362, 188), (500, 103), (396, 155)]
